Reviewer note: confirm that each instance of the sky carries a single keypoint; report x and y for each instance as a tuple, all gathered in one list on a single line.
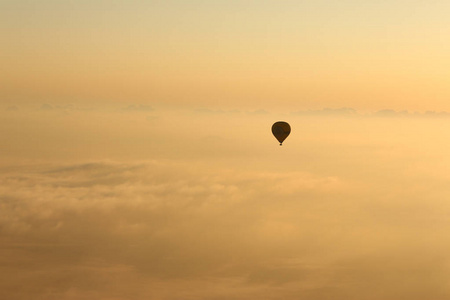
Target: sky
[(301, 54), (137, 161)]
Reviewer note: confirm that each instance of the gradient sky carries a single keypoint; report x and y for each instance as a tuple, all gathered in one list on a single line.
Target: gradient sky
[(137, 162), (305, 54)]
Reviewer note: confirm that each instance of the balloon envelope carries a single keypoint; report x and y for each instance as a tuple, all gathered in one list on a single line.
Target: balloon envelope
[(281, 130)]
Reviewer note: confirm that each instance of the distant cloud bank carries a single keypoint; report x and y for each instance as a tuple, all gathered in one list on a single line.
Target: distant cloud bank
[(324, 112), (138, 107), (348, 112)]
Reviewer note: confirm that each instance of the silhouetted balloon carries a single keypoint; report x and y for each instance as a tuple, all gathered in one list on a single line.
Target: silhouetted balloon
[(281, 130)]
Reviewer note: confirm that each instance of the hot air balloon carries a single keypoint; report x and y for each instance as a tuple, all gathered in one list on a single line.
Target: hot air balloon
[(281, 130)]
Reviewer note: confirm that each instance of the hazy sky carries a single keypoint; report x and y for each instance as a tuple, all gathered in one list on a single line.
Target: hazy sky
[(302, 54), (137, 162)]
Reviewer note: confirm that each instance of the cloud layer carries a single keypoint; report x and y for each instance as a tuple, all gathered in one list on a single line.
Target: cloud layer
[(189, 205), (171, 230)]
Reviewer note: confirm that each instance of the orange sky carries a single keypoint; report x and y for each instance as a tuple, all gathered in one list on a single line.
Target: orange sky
[(389, 54), (137, 161)]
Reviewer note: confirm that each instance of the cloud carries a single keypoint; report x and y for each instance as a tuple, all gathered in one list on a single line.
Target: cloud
[(390, 113), (258, 112), (138, 107), (441, 114), (171, 229), (217, 111), (46, 107), (64, 108), (205, 208), (12, 108), (345, 111), (404, 113), (383, 113), (67, 228)]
